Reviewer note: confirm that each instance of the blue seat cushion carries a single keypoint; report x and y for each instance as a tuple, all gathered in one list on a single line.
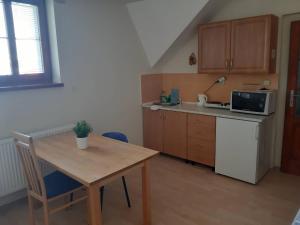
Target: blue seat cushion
[(116, 135), (57, 183)]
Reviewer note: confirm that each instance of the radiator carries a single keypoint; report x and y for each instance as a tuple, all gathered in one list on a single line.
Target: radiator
[(12, 178)]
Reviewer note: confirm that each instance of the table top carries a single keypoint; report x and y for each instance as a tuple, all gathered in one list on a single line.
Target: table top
[(103, 158)]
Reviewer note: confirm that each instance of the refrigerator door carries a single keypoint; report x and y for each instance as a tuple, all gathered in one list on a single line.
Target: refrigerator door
[(237, 149)]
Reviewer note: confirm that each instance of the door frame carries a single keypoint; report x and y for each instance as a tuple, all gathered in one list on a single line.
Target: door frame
[(283, 68)]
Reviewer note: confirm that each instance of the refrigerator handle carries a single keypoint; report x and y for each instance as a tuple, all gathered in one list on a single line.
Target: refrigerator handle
[(257, 132)]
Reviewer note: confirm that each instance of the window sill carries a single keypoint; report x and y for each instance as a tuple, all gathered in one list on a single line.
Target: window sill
[(27, 87)]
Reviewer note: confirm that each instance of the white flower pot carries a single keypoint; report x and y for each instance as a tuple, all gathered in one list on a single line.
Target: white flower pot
[(82, 143)]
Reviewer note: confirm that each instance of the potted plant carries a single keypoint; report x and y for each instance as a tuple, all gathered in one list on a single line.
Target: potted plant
[(82, 131)]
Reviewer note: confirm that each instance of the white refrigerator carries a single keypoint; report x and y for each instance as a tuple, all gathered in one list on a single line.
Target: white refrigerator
[(242, 151)]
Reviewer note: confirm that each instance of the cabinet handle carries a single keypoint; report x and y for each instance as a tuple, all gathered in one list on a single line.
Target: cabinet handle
[(231, 63), (273, 54), (226, 64), (257, 132), (292, 93)]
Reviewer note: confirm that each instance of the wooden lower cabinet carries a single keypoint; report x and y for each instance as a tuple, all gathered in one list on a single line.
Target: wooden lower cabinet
[(175, 134), (201, 139), (153, 129), (184, 135)]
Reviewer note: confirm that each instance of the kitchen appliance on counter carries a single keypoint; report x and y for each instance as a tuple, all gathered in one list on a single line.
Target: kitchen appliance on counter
[(260, 102), (217, 105), (174, 97), (169, 100), (202, 99)]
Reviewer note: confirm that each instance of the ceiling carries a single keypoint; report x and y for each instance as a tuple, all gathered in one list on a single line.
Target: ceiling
[(160, 22)]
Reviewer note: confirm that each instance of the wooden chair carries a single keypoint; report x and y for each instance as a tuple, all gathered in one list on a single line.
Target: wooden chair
[(44, 189)]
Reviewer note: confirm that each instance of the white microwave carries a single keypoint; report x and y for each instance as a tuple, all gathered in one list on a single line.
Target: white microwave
[(255, 102)]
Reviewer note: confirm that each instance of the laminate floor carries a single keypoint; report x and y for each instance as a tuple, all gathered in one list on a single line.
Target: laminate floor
[(183, 194)]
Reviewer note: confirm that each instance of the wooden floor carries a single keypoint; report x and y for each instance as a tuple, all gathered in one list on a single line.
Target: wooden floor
[(185, 195)]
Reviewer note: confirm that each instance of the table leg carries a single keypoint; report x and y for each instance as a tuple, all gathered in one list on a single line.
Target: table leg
[(146, 194), (94, 205)]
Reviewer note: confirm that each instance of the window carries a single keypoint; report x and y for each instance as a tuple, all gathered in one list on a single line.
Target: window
[(24, 43)]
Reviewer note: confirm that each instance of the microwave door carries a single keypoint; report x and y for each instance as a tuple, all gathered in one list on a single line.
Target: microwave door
[(252, 102)]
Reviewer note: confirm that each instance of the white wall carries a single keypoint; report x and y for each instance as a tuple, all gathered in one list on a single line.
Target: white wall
[(244, 8), (176, 59), (160, 22), (100, 59)]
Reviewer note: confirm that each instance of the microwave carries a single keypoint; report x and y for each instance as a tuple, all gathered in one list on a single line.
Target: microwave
[(254, 102)]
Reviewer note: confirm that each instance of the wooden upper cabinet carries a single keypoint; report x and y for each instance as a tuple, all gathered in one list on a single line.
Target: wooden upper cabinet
[(153, 129), (214, 47), (253, 45), (239, 46), (175, 134)]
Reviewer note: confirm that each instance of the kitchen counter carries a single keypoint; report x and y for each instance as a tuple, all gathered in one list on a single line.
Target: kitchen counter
[(195, 109)]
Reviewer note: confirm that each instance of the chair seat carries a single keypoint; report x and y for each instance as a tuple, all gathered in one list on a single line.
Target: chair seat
[(116, 135), (57, 183)]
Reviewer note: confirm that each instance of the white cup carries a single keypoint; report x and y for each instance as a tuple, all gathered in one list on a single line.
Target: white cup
[(202, 99)]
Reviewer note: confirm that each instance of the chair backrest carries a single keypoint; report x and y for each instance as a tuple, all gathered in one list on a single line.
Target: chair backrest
[(116, 135), (32, 169)]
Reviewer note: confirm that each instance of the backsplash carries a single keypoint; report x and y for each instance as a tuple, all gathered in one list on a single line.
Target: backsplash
[(151, 87), (190, 85)]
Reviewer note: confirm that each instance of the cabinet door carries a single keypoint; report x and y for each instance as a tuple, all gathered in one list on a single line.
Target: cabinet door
[(202, 139), (253, 45), (175, 134), (237, 148), (214, 47), (153, 129)]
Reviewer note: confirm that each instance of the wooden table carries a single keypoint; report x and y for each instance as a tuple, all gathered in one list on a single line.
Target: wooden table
[(105, 160)]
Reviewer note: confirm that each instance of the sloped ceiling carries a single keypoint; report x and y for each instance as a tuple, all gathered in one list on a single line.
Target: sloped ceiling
[(160, 22)]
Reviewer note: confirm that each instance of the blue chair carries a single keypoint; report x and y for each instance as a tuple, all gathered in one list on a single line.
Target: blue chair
[(58, 183), (45, 189), (120, 137)]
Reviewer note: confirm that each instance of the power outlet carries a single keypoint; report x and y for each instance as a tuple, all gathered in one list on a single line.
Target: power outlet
[(267, 83)]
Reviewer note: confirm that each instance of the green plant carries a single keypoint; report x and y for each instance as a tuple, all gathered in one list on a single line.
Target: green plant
[(82, 129)]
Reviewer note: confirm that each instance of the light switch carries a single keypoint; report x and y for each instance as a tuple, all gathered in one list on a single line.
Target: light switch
[(267, 83)]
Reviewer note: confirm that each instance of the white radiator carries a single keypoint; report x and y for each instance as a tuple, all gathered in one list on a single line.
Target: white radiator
[(11, 173)]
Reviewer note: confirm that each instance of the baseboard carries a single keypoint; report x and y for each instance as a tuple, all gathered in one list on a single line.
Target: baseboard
[(13, 197)]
